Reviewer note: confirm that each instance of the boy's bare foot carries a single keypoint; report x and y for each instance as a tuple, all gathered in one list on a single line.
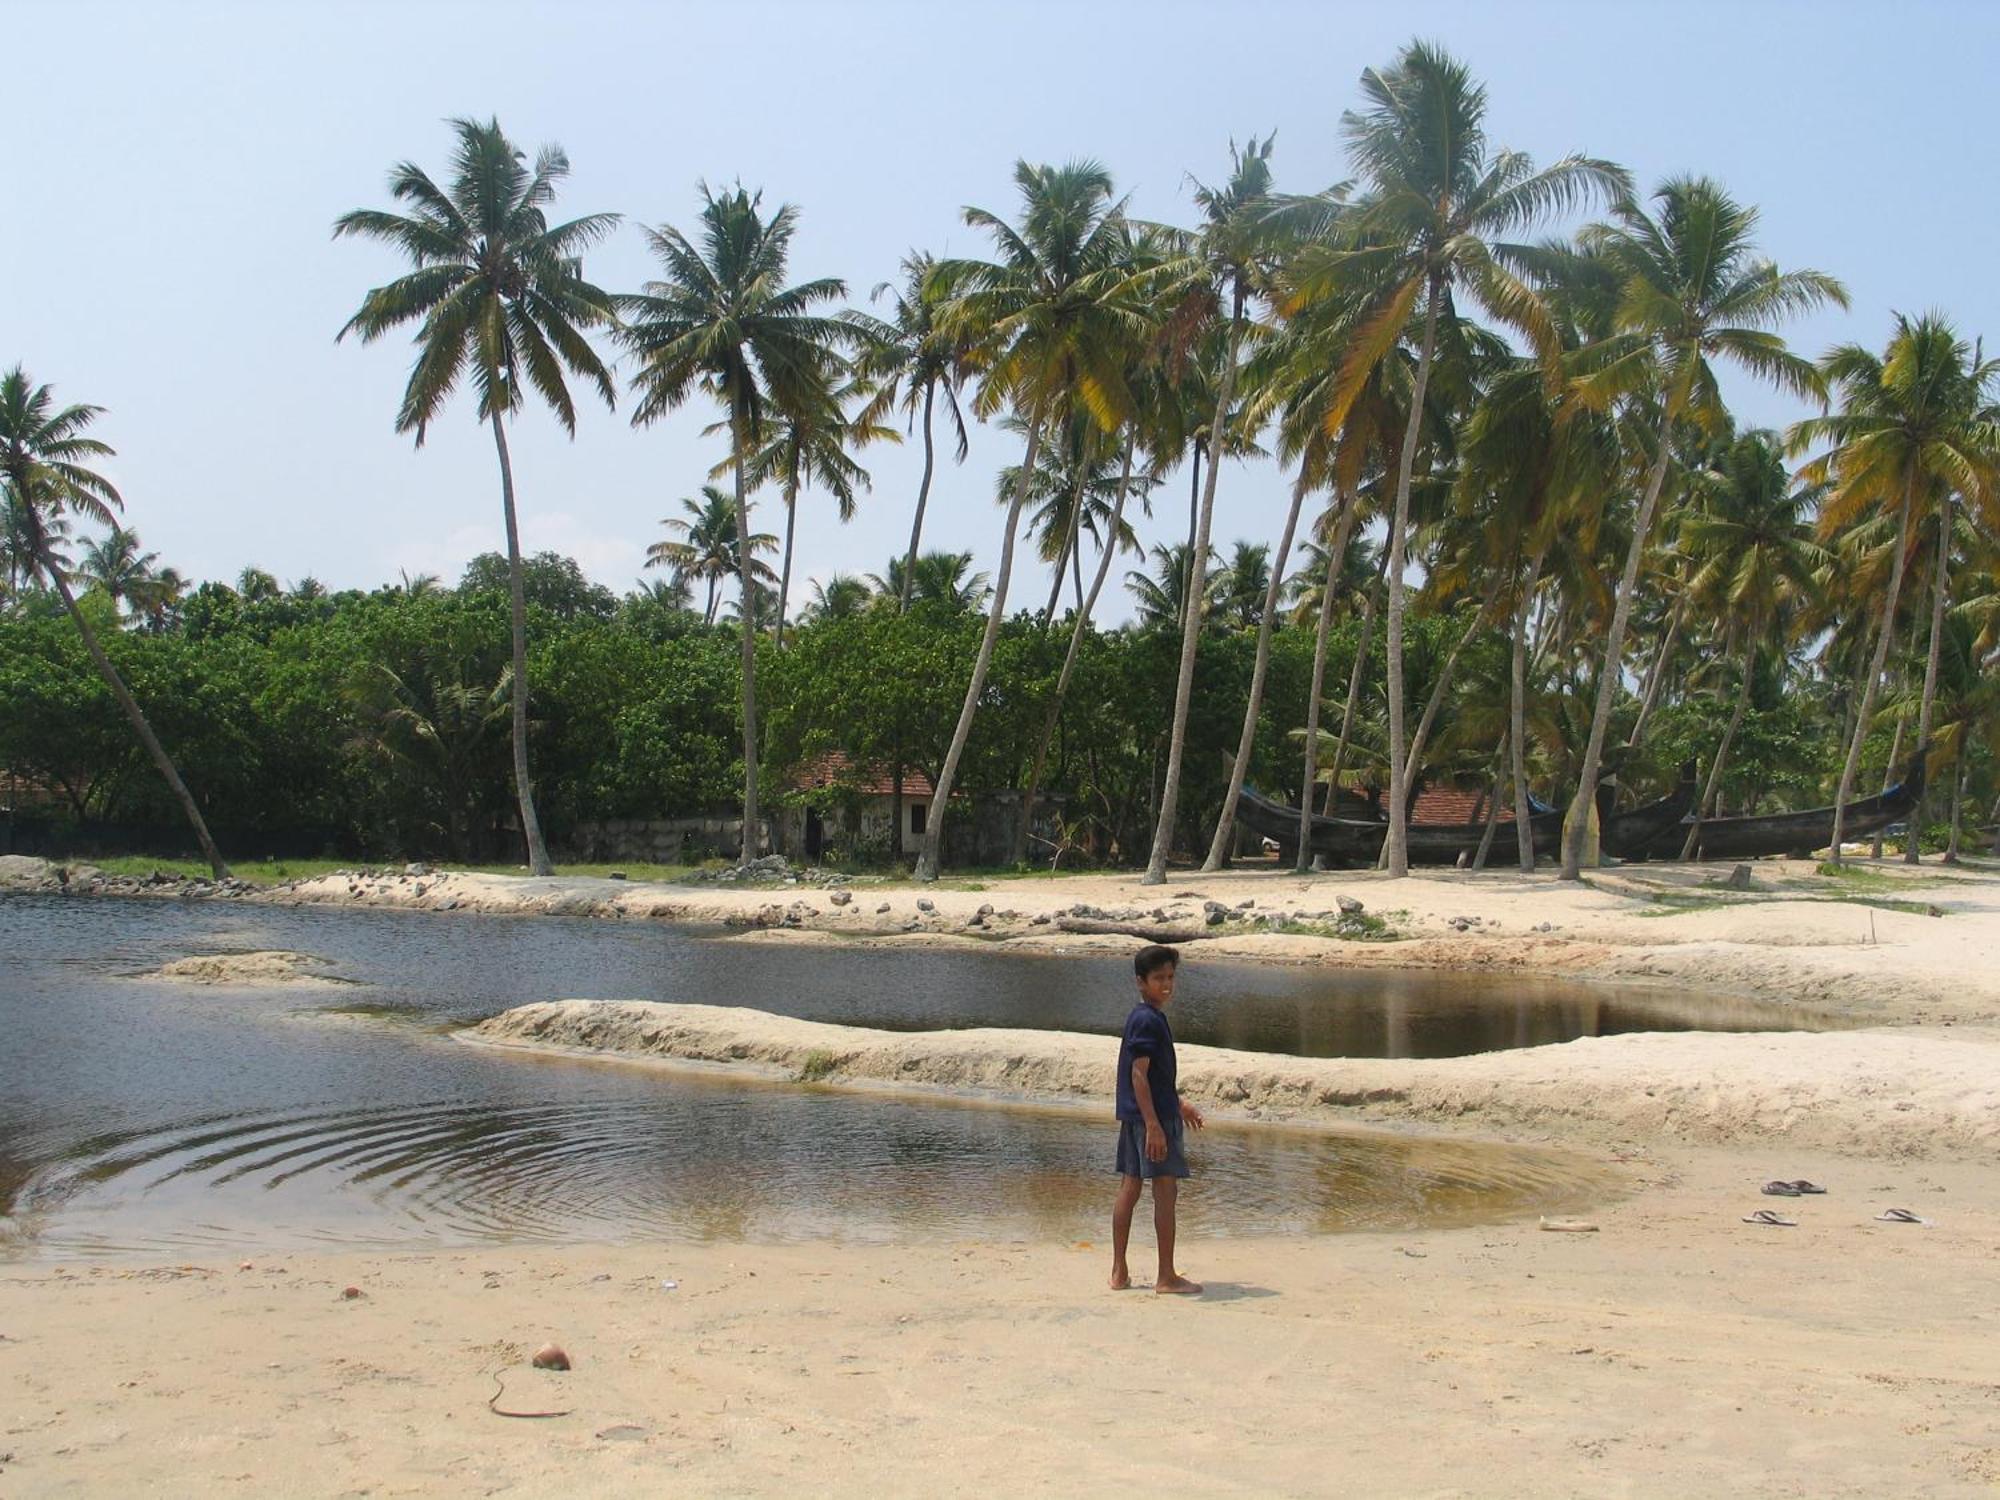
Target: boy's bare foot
[(1120, 1280), (1177, 1286)]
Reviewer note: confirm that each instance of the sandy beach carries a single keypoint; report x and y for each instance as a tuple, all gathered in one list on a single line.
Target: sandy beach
[(1676, 1348)]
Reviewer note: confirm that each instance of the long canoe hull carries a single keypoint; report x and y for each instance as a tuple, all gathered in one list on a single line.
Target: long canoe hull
[(1795, 833), (1627, 835), (1357, 842)]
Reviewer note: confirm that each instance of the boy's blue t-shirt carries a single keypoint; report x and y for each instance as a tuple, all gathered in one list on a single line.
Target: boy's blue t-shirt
[(1147, 1034)]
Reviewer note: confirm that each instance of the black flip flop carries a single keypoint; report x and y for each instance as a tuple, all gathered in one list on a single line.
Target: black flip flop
[(1899, 1216), (1781, 1189)]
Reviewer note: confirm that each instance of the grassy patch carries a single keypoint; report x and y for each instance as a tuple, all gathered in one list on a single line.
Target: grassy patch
[(819, 1064), (1665, 903), (1361, 927), (1860, 877)]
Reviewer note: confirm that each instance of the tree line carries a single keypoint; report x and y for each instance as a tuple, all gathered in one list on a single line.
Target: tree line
[(1526, 414)]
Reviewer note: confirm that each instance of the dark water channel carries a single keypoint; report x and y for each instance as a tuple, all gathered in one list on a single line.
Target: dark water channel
[(143, 1116)]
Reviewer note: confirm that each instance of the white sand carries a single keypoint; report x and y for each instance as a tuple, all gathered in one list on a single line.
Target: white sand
[(266, 967), (1677, 1351)]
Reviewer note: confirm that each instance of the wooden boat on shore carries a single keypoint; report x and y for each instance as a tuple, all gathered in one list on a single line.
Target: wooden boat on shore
[(1354, 837), (1800, 834)]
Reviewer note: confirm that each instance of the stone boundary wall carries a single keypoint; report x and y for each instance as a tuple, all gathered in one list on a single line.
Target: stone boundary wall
[(658, 840)]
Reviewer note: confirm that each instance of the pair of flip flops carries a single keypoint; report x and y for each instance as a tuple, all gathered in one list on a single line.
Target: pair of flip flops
[(1777, 1220), (1796, 1189)]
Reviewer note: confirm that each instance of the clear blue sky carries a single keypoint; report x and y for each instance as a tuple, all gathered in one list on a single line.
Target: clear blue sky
[(166, 249)]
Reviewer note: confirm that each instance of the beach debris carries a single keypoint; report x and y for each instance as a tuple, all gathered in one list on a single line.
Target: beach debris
[(668, 1286), (1145, 932), (1898, 1216), (622, 1432), (1349, 906), (1772, 1217), (500, 1389), (350, 1293), (246, 1266), (1568, 1226), (616, 875), (841, 898), (551, 1357)]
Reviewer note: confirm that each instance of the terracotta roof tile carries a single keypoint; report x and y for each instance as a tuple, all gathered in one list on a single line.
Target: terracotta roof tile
[(835, 769)]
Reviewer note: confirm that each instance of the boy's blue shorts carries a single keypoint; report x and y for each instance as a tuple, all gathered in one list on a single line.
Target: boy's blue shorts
[(1132, 1150)]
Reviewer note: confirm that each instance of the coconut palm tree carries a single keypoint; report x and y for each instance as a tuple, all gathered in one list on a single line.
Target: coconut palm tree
[(705, 545), (1434, 198), (254, 586), (116, 564), (944, 580), (498, 294), (1690, 289), (1159, 597), (809, 446), (1052, 317), (911, 358), (841, 596), (45, 475), (1749, 534), (1912, 428), (1223, 266), (722, 320)]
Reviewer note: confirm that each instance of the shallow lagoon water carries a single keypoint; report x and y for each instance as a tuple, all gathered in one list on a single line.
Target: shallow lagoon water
[(138, 1116)]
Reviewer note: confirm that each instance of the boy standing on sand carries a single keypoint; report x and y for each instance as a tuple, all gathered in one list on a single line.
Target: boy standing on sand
[(1150, 1117)]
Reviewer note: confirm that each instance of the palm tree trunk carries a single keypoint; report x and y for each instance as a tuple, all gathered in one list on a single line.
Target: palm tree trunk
[(1225, 821), (1334, 558), (1889, 778), (1576, 827), (785, 575), (1082, 622), (1708, 792), (927, 860), (1957, 807), (1443, 685), (1492, 810), (1071, 525), (1657, 673), (1517, 714), (708, 615), (130, 705), (1868, 686), (531, 827), (923, 497), (1194, 513), (1348, 710), (1396, 847), (1191, 620), (748, 625), (1940, 591)]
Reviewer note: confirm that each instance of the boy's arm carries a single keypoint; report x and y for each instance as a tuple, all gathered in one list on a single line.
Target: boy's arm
[(1142, 1091)]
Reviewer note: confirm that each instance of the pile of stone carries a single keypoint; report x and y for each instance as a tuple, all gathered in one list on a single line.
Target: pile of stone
[(772, 869)]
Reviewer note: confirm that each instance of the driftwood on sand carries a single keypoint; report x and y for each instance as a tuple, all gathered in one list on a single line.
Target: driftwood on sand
[(1144, 931)]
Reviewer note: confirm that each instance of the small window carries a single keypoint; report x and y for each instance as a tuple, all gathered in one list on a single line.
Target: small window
[(917, 812)]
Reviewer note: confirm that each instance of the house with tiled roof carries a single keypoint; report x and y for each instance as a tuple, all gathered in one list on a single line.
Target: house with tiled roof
[(841, 809)]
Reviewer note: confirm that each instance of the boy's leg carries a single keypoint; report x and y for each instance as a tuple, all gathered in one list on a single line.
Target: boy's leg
[(1121, 1230), (1166, 1194)]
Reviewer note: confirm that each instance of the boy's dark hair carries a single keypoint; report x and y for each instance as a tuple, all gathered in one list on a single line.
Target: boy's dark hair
[(1154, 957)]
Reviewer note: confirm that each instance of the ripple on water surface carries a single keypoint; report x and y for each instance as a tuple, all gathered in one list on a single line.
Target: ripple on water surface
[(714, 1159)]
